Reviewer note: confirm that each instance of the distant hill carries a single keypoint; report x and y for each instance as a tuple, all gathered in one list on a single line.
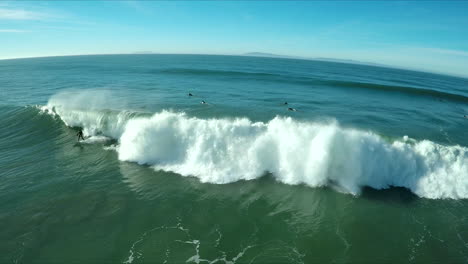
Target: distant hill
[(270, 55), (143, 52)]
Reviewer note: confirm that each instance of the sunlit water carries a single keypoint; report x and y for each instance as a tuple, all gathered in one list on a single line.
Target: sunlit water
[(369, 165)]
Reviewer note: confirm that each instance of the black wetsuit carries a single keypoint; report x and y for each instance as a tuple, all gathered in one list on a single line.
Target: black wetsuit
[(80, 135)]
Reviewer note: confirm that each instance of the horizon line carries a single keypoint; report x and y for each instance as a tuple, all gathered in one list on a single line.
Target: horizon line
[(260, 55)]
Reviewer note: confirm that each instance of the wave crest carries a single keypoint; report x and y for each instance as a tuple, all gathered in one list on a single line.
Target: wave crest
[(228, 150), (223, 151)]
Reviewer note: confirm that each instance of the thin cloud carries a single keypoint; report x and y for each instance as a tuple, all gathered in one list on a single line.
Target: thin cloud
[(447, 51), (421, 49), (12, 31), (20, 14)]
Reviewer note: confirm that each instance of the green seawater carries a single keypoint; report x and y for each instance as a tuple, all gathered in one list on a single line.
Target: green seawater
[(142, 189)]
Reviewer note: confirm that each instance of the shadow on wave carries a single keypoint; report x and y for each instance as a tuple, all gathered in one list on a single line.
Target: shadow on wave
[(399, 195)]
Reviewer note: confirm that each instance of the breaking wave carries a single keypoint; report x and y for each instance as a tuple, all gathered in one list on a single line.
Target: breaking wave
[(294, 152)]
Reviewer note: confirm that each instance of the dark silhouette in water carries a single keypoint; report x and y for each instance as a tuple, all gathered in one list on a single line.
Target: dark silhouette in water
[(465, 116), (292, 109), (203, 102), (392, 195), (190, 94), (285, 103), (80, 135)]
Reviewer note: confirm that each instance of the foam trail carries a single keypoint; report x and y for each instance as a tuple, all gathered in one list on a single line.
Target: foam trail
[(95, 139), (228, 150)]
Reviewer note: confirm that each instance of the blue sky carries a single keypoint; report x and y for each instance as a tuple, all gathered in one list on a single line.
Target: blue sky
[(431, 36)]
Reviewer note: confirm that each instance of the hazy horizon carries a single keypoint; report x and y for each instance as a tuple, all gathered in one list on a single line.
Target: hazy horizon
[(423, 36), (247, 54)]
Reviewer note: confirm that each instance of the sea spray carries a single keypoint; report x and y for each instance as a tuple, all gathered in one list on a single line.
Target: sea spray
[(294, 152), (224, 150), (96, 111)]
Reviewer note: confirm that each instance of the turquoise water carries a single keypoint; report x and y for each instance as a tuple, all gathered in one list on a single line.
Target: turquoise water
[(371, 167)]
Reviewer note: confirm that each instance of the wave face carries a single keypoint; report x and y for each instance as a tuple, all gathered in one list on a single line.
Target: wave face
[(410, 90), (229, 150), (311, 81)]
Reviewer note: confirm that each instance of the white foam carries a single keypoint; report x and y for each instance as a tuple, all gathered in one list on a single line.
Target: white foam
[(223, 151), (228, 150), (95, 139), (90, 110)]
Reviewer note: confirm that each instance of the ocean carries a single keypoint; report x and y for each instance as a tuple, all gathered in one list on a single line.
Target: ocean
[(267, 160)]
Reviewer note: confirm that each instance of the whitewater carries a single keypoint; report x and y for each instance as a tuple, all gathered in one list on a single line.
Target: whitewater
[(226, 150), (372, 167)]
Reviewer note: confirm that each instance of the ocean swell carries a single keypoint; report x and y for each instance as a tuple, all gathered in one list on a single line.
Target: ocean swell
[(314, 81), (294, 152)]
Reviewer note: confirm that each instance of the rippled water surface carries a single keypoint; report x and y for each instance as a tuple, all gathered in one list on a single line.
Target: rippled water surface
[(363, 164)]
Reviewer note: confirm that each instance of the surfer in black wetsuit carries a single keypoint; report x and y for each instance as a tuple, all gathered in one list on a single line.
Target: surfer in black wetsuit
[(203, 102), (190, 94), (285, 103), (292, 109), (80, 135)]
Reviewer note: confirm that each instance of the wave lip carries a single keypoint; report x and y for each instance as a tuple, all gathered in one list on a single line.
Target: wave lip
[(223, 151), (229, 150)]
